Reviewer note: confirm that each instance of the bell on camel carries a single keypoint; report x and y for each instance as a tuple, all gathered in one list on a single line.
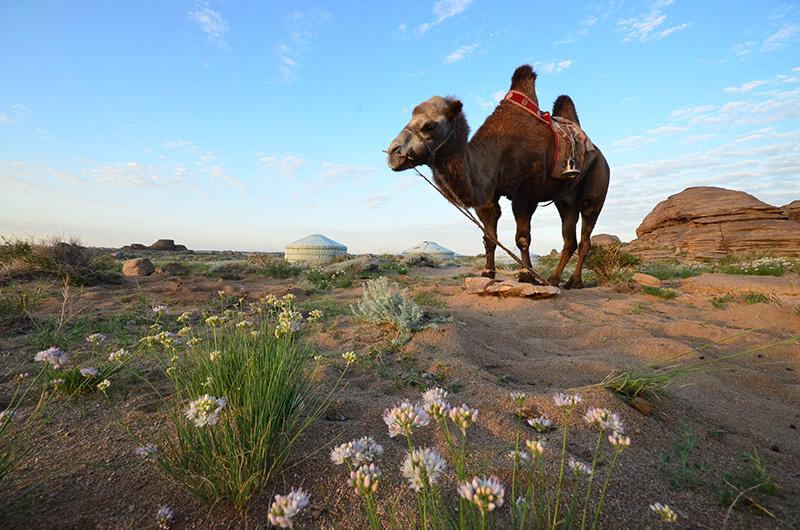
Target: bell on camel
[(572, 170)]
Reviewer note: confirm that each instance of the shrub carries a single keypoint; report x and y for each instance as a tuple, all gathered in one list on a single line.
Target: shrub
[(608, 262), (229, 270), (385, 303), (751, 483), (53, 257), (17, 302), (755, 297), (765, 266), (667, 270), (330, 280), (666, 294), (242, 399), (273, 267)]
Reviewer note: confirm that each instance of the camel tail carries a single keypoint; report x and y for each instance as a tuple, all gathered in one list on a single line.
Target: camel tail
[(564, 107), (524, 80)]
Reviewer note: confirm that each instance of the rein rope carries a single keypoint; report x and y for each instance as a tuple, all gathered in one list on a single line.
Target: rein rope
[(463, 209)]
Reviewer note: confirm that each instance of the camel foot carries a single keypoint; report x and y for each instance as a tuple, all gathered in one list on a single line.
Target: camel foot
[(553, 280), (488, 273), (525, 276), (572, 283)]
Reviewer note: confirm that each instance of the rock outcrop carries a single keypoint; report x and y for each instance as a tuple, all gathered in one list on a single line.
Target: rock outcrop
[(792, 210), (708, 222), (138, 267), (163, 244), (605, 239), (504, 288)]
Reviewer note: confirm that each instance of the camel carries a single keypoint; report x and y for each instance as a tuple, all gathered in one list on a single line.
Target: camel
[(507, 157)]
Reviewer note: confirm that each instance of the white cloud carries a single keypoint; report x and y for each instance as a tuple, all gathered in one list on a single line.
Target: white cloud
[(746, 87), (492, 101), (211, 22), (699, 138), (781, 38), (4, 118), (649, 26), (21, 111), (666, 129), (286, 165), (460, 53), (583, 29), (553, 66), (632, 143), (300, 28), (443, 10), (335, 170)]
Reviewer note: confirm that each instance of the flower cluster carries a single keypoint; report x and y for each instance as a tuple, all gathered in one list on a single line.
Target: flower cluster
[(404, 418), (160, 309), (95, 338), (485, 493), (603, 419), (164, 518), (103, 385), (536, 447), (184, 317), (463, 417), (205, 410), (349, 357), (288, 322), (421, 465), (619, 441), (364, 450), (540, 424), (118, 355), (579, 468), (89, 371), (365, 479), (566, 400), (519, 398), (55, 357), (286, 507), (148, 452)]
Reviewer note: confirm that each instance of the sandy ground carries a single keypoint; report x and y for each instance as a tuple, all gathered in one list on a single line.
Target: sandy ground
[(489, 347)]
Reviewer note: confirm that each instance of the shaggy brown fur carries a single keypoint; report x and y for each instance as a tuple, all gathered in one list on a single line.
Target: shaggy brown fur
[(565, 108), (508, 156)]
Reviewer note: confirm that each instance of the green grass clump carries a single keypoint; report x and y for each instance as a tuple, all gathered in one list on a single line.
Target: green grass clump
[(755, 297), (17, 303), (608, 263), (638, 308), (751, 484), (384, 303), (273, 267), (681, 464), (66, 260), (429, 299), (324, 281), (667, 270), (329, 307), (765, 266), (720, 302), (269, 402), (665, 294)]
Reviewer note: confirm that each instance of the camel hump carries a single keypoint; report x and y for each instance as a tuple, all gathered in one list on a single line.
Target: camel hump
[(564, 107), (524, 80)]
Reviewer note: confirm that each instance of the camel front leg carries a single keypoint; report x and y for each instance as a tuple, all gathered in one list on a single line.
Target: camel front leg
[(523, 239), (589, 217), (489, 215)]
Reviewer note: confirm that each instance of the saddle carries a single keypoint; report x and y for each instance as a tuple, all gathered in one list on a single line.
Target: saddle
[(571, 143)]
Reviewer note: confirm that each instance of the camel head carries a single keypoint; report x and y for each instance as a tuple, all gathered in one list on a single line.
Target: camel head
[(434, 125)]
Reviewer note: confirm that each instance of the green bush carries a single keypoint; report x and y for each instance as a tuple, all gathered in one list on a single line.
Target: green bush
[(608, 262), (69, 261), (665, 294), (385, 303), (273, 267), (667, 270)]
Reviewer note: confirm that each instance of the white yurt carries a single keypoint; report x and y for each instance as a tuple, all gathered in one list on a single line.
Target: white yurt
[(502, 259), (314, 250), (430, 250)]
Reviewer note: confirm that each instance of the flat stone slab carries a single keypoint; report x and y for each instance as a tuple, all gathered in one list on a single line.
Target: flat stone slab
[(487, 286)]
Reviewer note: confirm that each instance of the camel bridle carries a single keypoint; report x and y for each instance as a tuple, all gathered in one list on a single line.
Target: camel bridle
[(431, 152)]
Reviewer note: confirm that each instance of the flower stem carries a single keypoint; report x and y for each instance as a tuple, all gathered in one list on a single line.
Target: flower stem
[(561, 471), (591, 479), (599, 509)]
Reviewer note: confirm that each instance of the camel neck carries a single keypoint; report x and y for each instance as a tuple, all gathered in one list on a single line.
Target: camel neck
[(462, 174)]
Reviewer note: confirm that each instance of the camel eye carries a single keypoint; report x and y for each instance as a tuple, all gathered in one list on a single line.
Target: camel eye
[(428, 127)]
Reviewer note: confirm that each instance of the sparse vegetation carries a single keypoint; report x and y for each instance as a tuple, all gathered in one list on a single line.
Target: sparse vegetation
[(668, 270), (684, 468), (721, 301), (384, 303), (660, 292), (755, 297), (273, 267), (430, 299), (750, 485), (54, 258), (765, 266), (609, 263), (638, 308)]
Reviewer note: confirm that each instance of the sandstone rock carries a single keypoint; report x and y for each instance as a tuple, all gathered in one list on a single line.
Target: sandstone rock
[(180, 248), (138, 246), (477, 285), (642, 405), (138, 267), (174, 269), (792, 210), (646, 279), (163, 244), (708, 222), (485, 286), (605, 239)]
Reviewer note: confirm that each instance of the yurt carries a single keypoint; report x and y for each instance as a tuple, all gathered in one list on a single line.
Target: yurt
[(430, 250), (503, 260), (314, 250)]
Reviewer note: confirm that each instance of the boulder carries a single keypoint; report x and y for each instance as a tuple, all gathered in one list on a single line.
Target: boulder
[(708, 222), (792, 210), (138, 267), (487, 286), (180, 248), (605, 239), (646, 279), (174, 269), (163, 244), (137, 246)]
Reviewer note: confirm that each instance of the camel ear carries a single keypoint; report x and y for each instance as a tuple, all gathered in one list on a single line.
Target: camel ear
[(454, 107)]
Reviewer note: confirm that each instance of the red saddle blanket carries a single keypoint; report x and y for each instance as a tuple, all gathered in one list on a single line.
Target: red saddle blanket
[(568, 137)]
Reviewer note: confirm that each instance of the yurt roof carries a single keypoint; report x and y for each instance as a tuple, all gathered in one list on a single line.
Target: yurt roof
[(428, 247), (316, 241)]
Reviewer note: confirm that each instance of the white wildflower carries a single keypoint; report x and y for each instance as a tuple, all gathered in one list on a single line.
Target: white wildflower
[(486, 494), (365, 479), (164, 518), (540, 424), (184, 317), (118, 355), (285, 507), (463, 417), (665, 512), (160, 309), (566, 400), (536, 447), (103, 385), (619, 441), (603, 419), (213, 321), (434, 394), (421, 464), (214, 355), (579, 468), (519, 398), (57, 358), (517, 455), (205, 410), (89, 372), (184, 331), (148, 452), (349, 357), (404, 418), (95, 338), (244, 324)]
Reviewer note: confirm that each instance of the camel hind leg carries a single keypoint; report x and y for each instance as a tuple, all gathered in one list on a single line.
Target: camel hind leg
[(569, 220)]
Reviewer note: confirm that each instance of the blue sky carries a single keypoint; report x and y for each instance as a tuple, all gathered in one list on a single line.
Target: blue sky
[(246, 125)]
